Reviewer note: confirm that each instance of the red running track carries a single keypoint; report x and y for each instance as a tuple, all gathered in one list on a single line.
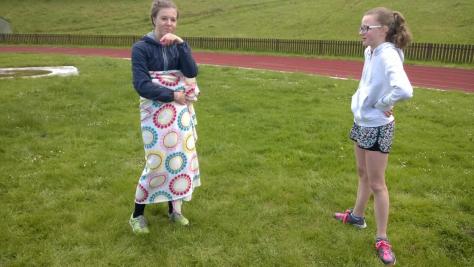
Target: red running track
[(420, 76)]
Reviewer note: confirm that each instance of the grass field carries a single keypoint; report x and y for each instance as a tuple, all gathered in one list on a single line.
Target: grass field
[(441, 21), (275, 163)]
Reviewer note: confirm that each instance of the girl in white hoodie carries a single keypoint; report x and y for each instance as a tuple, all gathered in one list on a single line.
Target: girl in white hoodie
[(383, 83)]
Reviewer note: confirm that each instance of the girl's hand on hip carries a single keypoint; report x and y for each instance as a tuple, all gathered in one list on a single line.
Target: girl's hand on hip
[(388, 113)]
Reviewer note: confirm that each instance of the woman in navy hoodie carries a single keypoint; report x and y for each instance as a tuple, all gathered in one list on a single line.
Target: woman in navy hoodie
[(160, 60)]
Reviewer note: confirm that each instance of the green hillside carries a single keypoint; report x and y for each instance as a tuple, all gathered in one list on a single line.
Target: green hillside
[(442, 21)]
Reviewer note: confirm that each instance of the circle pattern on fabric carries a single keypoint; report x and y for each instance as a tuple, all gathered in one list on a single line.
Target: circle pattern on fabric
[(191, 91), (150, 136), (169, 79), (194, 165), (154, 159), (161, 196), (170, 139), (157, 180), (176, 162), (165, 116), (180, 185), (189, 144), (141, 194), (184, 120)]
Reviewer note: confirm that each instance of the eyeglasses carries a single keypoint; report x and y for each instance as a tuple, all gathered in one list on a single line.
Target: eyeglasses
[(366, 28)]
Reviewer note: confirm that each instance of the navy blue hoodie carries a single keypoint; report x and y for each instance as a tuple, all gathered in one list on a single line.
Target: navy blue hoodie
[(149, 55)]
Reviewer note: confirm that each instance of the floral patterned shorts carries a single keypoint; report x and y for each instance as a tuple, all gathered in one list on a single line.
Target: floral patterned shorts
[(374, 138)]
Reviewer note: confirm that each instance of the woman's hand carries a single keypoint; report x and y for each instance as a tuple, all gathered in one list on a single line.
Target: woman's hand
[(180, 97), (169, 39), (388, 113)]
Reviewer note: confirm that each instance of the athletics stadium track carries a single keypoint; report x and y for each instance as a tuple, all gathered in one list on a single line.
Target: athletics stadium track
[(420, 76)]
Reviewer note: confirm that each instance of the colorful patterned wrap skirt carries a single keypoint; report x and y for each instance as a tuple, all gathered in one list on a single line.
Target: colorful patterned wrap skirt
[(169, 136)]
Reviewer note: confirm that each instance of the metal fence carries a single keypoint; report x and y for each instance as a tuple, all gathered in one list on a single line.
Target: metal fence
[(451, 53)]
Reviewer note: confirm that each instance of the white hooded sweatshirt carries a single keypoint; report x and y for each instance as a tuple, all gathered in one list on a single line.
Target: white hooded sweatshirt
[(383, 83)]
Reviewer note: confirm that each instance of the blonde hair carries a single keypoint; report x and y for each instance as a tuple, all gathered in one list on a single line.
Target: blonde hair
[(157, 5), (398, 31)]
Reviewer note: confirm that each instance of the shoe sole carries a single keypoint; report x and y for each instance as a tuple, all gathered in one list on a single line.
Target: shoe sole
[(358, 226), (390, 264), (177, 222)]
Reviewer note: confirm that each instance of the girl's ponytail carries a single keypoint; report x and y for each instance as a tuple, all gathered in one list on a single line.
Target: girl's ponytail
[(401, 35)]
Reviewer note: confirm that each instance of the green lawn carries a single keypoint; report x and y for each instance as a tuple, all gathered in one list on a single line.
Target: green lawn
[(275, 161), (440, 21)]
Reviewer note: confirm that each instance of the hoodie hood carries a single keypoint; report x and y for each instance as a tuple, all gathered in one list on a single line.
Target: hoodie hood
[(389, 45), (150, 38)]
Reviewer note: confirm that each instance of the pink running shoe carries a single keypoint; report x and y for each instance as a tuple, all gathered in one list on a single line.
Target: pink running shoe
[(348, 218), (384, 251)]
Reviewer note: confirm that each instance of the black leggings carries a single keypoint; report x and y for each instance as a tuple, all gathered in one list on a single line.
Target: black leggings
[(140, 209)]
